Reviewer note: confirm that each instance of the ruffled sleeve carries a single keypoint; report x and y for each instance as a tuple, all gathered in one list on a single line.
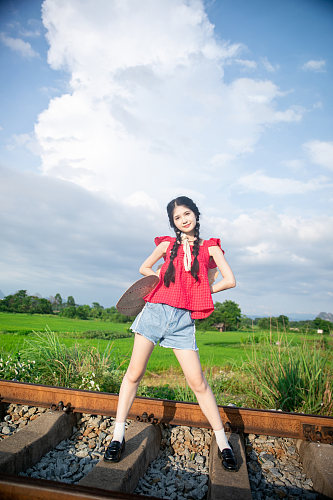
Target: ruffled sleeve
[(160, 239), (213, 242)]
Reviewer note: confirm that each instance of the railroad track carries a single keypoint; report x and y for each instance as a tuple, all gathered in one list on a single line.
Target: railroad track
[(267, 434)]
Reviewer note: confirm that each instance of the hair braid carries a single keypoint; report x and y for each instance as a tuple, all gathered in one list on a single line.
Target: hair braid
[(196, 248), (170, 272)]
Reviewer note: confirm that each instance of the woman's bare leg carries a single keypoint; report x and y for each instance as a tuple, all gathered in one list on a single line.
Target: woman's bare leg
[(142, 350), (190, 363)]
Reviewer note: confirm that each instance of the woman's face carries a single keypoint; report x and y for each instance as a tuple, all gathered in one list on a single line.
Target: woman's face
[(184, 219)]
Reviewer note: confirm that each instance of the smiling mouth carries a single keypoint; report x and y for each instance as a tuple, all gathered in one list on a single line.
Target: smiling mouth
[(187, 225)]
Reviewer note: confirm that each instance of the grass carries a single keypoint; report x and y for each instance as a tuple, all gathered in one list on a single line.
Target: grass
[(25, 323), (223, 350), (45, 359), (291, 378), (262, 370)]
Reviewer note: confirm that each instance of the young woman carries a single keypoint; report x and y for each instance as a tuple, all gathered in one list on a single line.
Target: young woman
[(182, 295)]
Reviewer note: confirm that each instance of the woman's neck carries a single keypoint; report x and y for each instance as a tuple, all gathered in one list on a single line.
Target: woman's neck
[(189, 236), (191, 239)]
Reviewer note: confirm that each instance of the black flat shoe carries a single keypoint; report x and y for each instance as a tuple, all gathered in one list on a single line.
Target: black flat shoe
[(228, 458), (114, 451)]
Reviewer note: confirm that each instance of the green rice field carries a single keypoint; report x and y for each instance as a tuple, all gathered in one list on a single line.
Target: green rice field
[(216, 349)]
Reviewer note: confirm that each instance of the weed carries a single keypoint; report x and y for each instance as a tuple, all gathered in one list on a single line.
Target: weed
[(75, 366), (290, 378), (12, 367)]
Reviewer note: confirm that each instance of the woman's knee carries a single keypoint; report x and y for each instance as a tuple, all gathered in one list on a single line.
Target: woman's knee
[(134, 375), (198, 384)]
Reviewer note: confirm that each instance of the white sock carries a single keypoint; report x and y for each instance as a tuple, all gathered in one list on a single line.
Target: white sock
[(119, 431), (221, 439)]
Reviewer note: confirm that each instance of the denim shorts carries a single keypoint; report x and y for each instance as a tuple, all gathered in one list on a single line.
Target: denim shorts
[(171, 326)]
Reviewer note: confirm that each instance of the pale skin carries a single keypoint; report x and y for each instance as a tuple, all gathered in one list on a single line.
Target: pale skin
[(184, 219)]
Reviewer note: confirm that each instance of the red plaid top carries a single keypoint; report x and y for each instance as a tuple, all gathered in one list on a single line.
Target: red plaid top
[(186, 292)]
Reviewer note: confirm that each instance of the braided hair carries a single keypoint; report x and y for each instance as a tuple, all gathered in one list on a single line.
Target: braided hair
[(170, 272)]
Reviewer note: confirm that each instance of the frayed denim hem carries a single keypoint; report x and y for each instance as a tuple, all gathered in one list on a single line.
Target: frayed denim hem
[(142, 335)]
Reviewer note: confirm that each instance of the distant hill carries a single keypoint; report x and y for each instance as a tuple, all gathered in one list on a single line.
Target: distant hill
[(326, 316), (2, 295), (291, 316)]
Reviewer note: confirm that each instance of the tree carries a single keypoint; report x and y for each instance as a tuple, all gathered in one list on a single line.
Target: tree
[(70, 301), (43, 306), (246, 322), (279, 324), (58, 300), (228, 313), (322, 324), (97, 310), (96, 305), (68, 312), (82, 312), (21, 302), (283, 322)]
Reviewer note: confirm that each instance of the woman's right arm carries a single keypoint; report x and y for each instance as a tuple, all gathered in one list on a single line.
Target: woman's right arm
[(147, 267)]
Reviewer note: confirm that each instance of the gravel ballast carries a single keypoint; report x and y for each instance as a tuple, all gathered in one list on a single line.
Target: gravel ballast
[(182, 467)]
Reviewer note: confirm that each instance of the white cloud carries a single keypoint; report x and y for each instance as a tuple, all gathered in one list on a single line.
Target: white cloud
[(317, 65), (281, 261), (25, 140), (29, 33), (147, 100), (140, 199), (267, 249), (295, 164), (293, 114), (258, 181), (222, 160), (246, 63), (18, 45), (57, 237), (271, 68), (320, 152), (33, 29)]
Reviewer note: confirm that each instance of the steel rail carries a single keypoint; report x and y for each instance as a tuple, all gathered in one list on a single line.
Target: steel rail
[(266, 422), (22, 488)]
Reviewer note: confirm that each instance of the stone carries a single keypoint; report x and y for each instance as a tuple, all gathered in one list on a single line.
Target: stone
[(267, 457), (275, 472), (269, 467), (281, 471), (82, 454)]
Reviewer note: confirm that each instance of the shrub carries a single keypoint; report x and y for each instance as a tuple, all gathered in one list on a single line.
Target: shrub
[(12, 367), (101, 334), (75, 367), (290, 378), (250, 339)]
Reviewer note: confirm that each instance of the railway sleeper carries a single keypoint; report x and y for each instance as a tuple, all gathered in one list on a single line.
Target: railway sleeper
[(24, 448), (224, 484), (142, 446)]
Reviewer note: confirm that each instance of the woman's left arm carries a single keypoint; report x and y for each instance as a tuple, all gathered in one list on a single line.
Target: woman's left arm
[(228, 278)]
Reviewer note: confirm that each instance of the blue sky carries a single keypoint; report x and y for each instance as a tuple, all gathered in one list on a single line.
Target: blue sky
[(109, 110)]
